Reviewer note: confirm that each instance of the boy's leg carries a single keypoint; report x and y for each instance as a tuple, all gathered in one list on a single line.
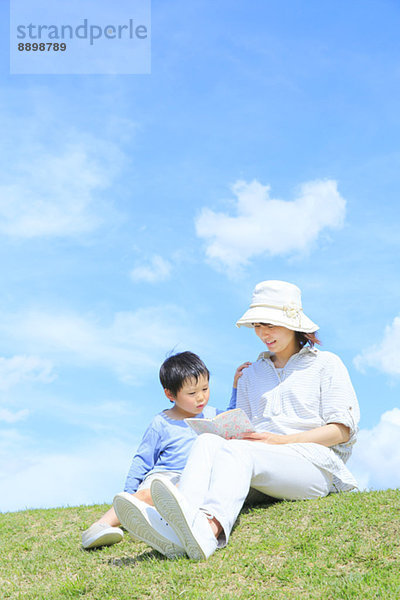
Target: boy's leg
[(110, 518), (144, 496), (106, 531), (144, 523)]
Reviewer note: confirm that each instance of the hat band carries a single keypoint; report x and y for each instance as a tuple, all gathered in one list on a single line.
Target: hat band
[(291, 310)]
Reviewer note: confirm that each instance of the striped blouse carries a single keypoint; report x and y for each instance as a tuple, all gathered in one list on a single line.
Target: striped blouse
[(312, 390)]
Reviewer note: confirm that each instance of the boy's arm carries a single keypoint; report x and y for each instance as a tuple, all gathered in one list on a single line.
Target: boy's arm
[(144, 460), (232, 402)]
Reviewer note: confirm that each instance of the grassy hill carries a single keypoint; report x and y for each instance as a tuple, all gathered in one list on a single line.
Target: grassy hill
[(343, 546)]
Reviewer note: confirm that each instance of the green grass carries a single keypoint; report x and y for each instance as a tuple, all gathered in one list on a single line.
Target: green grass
[(340, 547)]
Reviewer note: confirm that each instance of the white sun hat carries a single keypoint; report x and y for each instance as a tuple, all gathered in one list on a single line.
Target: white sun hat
[(277, 303)]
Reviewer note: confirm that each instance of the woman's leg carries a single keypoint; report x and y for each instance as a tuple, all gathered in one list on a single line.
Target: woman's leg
[(229, 484), (219, 473), (195, 479), (289, 475), (278, 471)]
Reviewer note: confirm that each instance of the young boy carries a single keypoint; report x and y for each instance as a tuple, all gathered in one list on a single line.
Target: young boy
[(167, 441)]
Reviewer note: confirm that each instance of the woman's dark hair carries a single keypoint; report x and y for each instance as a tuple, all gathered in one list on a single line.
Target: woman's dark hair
[(306, 338), (178, 368)]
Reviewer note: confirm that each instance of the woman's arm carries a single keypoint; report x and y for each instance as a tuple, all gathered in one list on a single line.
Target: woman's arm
[(327, 435), (238, 374)]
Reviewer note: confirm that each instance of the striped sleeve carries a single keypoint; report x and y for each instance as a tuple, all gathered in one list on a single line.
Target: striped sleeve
[(338, 399)]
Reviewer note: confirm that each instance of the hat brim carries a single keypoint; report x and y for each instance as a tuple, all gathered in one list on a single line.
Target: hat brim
[(276, 316)]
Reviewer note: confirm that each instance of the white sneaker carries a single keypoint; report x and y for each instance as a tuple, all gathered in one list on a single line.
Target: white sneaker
[(190, 524), (101, 534), (144, 523)]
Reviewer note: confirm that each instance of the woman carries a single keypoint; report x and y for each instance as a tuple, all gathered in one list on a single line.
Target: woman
[(305, 413)]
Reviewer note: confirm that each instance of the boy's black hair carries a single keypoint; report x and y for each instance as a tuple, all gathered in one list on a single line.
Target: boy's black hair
[(176, 369)]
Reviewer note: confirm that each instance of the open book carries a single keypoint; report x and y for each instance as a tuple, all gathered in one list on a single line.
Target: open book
[(229, 424)]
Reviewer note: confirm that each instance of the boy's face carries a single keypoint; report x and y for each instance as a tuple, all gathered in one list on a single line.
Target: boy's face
[(193, 396)]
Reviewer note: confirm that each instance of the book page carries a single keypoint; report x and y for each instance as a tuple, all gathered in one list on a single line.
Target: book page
[(229, 425)]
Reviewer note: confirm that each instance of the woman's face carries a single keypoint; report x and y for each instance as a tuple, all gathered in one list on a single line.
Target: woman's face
[(279, 340)]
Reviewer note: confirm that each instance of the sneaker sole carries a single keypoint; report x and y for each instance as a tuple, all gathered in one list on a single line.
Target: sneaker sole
[(137, 526), (168, 506), (104, 539)]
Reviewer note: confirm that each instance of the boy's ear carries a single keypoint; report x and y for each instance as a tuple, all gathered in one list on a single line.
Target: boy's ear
[(169, 395)]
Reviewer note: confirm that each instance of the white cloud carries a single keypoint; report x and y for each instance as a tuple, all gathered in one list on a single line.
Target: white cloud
[(385, 355), (157, 269), (18, 369), (376, 455), (128, 345), (56, 194), (9, 417), (264, 225)]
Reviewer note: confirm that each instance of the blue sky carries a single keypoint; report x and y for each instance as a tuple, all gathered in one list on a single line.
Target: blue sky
[(130, 226)]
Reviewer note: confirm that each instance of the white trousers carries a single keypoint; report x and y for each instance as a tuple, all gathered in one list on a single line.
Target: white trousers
[(219, 474)]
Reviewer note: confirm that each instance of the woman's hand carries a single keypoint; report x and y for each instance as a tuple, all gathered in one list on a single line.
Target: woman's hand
[(327, 435), (239, 373), (266, 437)]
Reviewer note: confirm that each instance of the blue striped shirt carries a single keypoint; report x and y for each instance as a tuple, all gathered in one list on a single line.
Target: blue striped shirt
[(312, 390)]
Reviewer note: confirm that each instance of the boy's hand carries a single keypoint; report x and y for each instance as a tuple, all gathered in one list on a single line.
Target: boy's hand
[(239, 373)]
